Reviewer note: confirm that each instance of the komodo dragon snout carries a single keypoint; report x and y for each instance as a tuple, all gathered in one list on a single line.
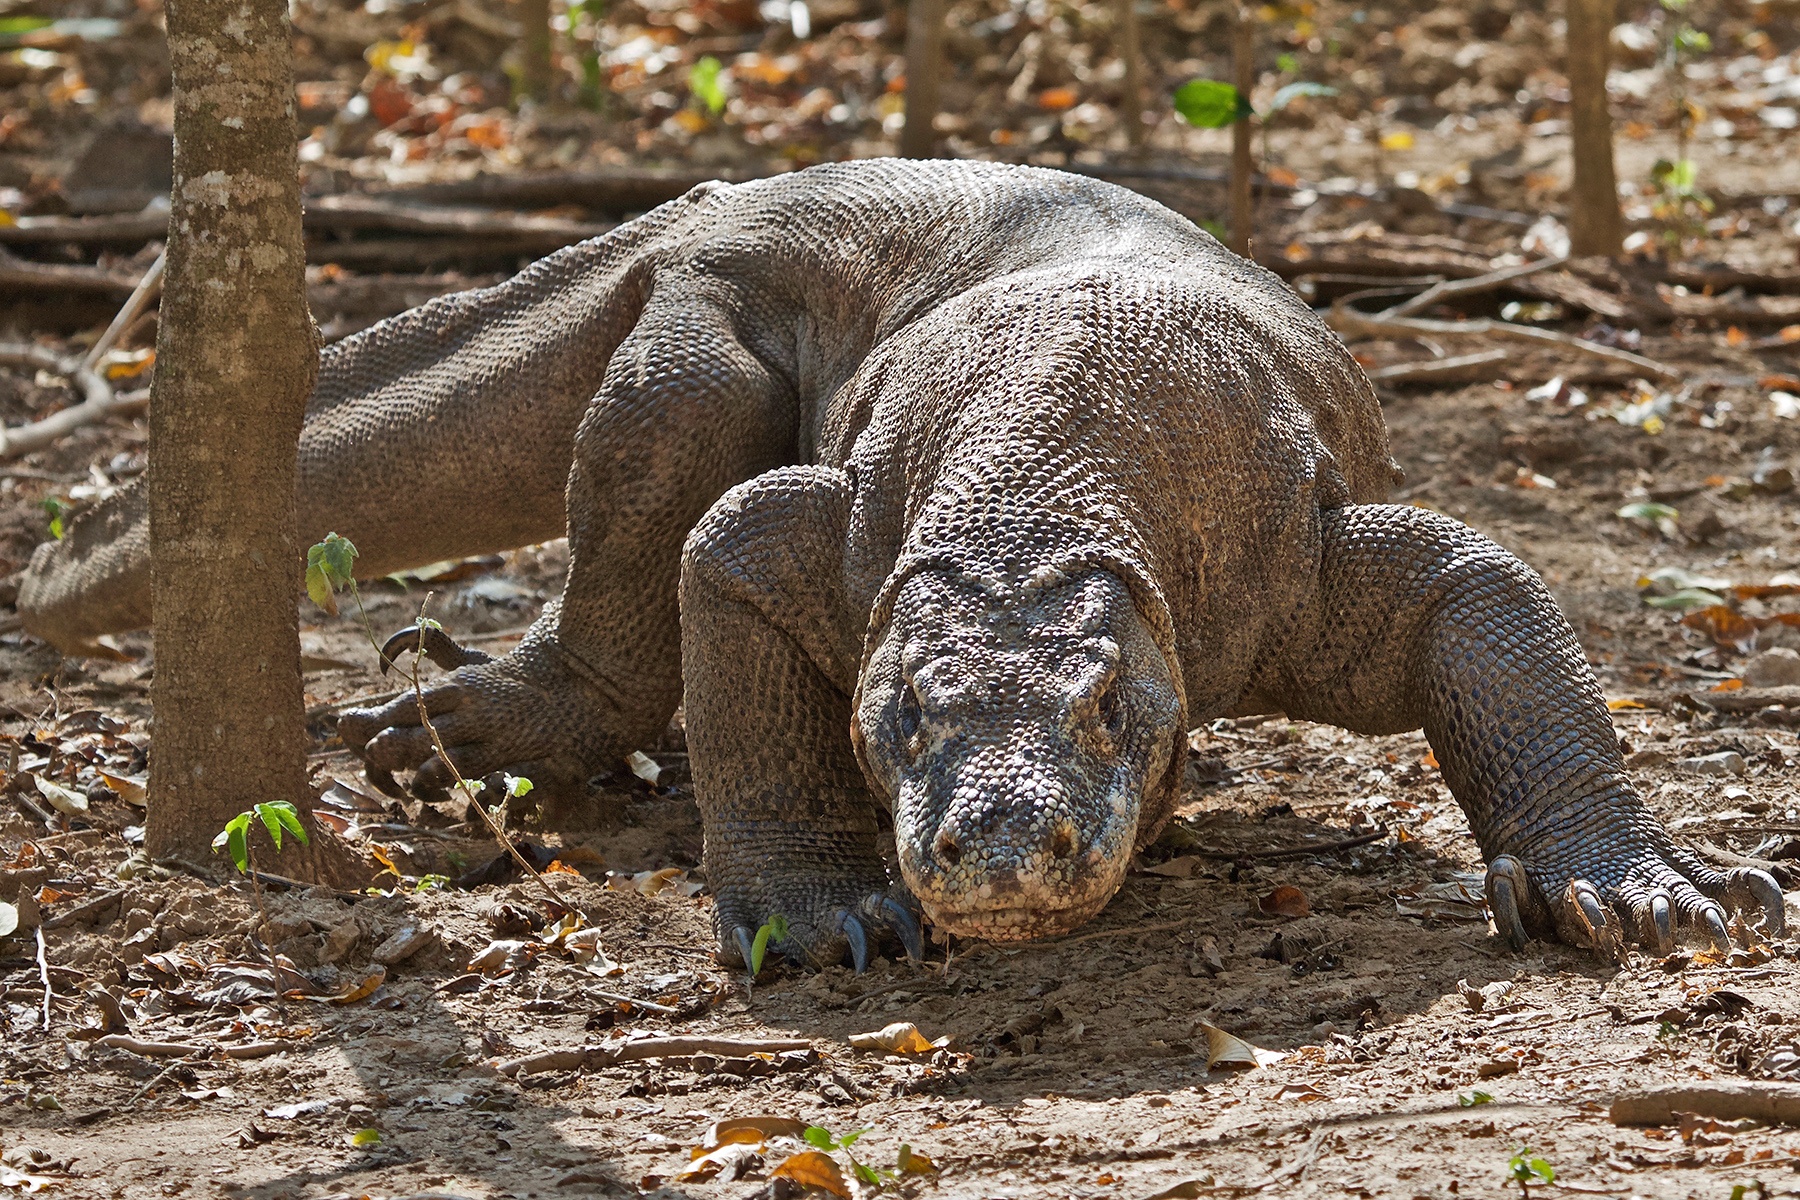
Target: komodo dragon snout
[(1023, 736)]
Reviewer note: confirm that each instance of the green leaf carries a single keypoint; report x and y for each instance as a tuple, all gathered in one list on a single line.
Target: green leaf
[(1294, 91), (816, 1136), (472, 786), (429, 881), (865, 1173), (235, 839), (759, 950), (517, 785), (366, 1137), (1210, 104), (287, 816), (778, 927), (270, 822), (1527, 1168), (430, 623), (1474, 1098), (55, 508), (1685, 599), (336, 555), (1689, 40), (1287, 64), (318, 586), (18, 25), (703, 82), (1679, 176), (850, 1139), (1648, 510)]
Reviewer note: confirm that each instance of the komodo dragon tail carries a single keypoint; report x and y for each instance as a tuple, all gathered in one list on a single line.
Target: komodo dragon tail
[(443, 432)]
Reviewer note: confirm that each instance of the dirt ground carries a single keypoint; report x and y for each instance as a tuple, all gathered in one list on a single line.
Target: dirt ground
[(1416, 1056)]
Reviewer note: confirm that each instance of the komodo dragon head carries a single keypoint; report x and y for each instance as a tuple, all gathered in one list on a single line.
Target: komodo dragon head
[(1024, 737)]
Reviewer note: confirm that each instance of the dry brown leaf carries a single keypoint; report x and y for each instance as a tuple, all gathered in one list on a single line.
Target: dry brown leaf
[(1285, 901), (902, 1037), (129, 789), (64, 801), (911, 1162), (1177, 868), (728, 1162), (1228, 1050), (363, 990), (813, 1168), (748, 1129)]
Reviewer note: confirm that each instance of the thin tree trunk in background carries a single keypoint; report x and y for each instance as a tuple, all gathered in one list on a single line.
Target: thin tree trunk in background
[(236, 356), (1243, 71), (534, 75), (924, 66), (1595, 226), (1131, 102)]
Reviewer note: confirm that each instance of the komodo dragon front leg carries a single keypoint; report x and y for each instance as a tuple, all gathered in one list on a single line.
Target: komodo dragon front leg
[(1419, 620), (685, 411), (770, 650)]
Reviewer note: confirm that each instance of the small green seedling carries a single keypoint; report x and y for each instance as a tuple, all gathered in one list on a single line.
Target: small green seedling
[(1744, 1191), (277, 816), (1474, 1098), (820, 1138), (775, 929), (1526, 1168), (703, 83), (55, 508), (331, 565), (1210, 104)]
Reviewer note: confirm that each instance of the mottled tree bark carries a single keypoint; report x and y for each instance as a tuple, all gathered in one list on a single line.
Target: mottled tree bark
[(1243, 71), (1595, 226), (1131, 54), (534, 49), (236, 357), (924, 66)]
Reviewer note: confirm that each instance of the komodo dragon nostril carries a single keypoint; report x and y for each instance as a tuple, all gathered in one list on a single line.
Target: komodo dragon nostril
[(948, 852), (1064, 843)]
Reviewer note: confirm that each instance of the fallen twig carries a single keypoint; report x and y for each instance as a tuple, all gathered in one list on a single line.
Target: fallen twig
[(83, 910), (124, 1041), (1351, 323), (146, 291), (1438, 293), (44, 974), (636, 1051), (1348, 843), (1774, 1103), (1461, 368)]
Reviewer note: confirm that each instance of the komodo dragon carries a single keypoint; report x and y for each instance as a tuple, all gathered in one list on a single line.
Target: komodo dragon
[(949, 496)]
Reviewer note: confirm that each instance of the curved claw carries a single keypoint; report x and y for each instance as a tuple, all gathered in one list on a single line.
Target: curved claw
[(1504, 880), (1602, 929), (1712, 917), (859, 942), (906, 925), (1766, 894), (442, 649), (1662, 920), (746, 943)]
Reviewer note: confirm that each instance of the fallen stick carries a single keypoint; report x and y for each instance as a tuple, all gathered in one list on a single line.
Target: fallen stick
[(31, 280), (1774, 1103), (1745, 700), (334, 214), (1351, 323), (662, 1047), (124, 1041), (147, 289), (1348, 843), (1461, 368), (44, 974), (1471, 287), (122, 228), (84, 910)]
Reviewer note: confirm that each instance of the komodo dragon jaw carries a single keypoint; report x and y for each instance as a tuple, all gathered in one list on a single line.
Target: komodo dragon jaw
[(1017, 734)]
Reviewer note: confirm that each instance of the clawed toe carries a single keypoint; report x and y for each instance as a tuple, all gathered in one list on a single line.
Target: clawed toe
[(430, 639), (746, 945), (859, 942), (1712, 919), (1752, 890), (1506, 890), (1594, 919), (906, 927)]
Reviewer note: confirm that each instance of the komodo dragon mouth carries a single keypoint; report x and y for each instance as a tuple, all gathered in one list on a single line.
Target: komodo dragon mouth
[(1017, 737)]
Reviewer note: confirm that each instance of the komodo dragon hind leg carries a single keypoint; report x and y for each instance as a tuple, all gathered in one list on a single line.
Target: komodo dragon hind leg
[(1419, 620), (769, 658)]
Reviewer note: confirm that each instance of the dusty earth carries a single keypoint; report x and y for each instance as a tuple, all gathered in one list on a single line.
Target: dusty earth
[(1417, 1055)]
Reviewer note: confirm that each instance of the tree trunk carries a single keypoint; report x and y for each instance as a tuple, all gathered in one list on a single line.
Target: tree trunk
[(236, 357), (1595, 226), (1131, 102), (924, 65), (1243, 71), (534, 66)]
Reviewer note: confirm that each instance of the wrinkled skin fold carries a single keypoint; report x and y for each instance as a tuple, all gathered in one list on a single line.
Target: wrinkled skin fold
[(945, 497)]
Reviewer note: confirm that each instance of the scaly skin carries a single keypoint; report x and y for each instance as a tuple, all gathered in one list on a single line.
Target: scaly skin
[(950, 494)]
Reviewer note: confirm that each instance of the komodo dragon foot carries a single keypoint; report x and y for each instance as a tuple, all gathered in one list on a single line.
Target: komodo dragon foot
[(527, 714)]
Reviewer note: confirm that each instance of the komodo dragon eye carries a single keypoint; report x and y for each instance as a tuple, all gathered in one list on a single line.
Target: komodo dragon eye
[(1112, 712), (911, 719)]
